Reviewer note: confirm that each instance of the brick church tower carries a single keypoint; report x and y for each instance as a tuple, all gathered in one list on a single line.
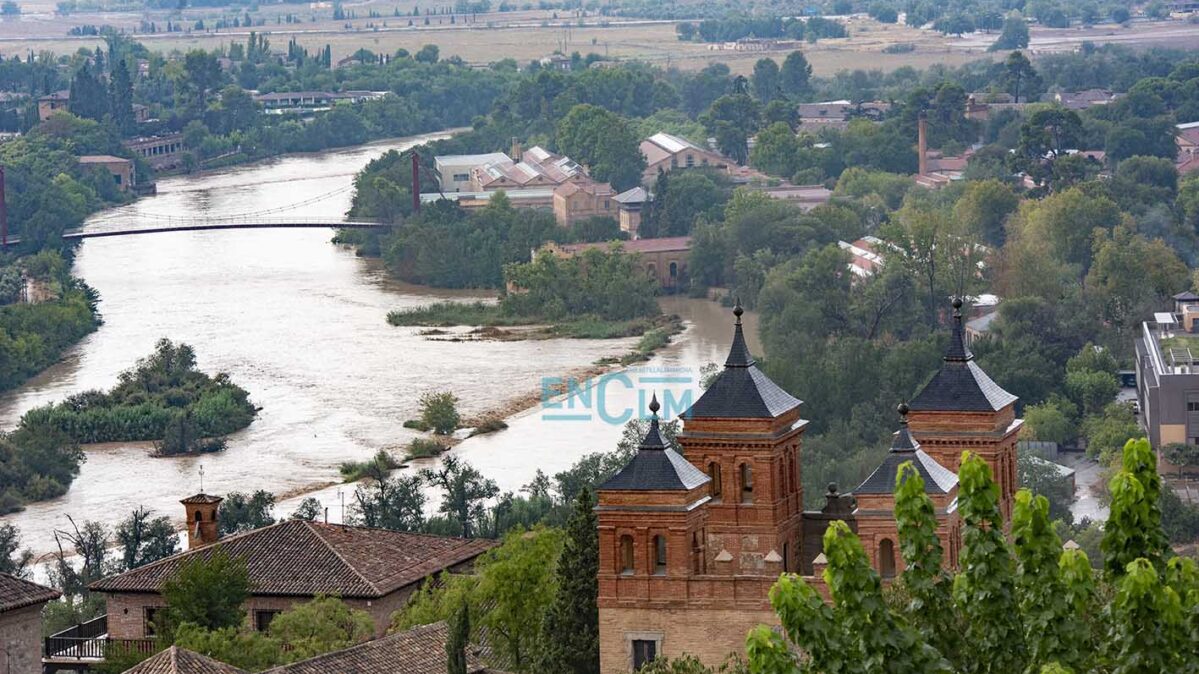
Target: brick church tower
[(875, 513), (689, 547), (961, 409)]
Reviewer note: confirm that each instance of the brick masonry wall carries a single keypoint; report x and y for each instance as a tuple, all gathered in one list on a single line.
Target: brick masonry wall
[(21, 640), (709, 634)]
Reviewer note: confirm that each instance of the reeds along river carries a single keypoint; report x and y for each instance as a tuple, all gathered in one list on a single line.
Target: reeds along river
[(300, 323)]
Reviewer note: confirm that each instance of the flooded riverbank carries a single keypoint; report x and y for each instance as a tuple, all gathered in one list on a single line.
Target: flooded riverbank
[(300, 323)]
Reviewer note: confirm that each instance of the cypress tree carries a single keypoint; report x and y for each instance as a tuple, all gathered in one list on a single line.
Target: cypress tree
[(455, 646), (121, 99), (570, 630)]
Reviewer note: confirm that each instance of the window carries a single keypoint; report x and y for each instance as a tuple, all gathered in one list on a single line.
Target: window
[(644, 652), (199, 516), (690, 161), (660, 555), (747, 483), (626, 555), (1193, 406), (651, 270), (674, 270), (674, 162), (714, 485), (461, 177), (886, 558), (151, 617), (705, 161), (262, 619)]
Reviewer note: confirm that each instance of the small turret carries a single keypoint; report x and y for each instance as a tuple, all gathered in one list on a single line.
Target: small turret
[(202, 525)]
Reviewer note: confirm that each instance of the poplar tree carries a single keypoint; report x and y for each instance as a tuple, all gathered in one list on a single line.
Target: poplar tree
[(570, 630), (1050, 620), (1134, 527), (929, 588), (984, 590), (1146, 634)]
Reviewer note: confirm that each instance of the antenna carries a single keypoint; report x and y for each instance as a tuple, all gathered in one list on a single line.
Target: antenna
[(201, 478)]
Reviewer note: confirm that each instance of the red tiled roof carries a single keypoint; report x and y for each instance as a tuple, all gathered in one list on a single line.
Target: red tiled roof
[(666, 244), (202, 499), (299, 558), (420, 650), (175, 660), (18, 593)]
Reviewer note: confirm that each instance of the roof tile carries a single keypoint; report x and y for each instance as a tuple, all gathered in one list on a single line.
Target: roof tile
[(18, 593)]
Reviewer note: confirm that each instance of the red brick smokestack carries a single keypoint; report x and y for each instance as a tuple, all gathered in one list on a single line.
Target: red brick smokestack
[(922, 142)]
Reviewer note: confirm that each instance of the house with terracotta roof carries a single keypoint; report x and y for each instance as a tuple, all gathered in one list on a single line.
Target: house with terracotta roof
[(664, 259), (419, 650), (374, 570), (175, 660), (1187, 138), (21, 603)]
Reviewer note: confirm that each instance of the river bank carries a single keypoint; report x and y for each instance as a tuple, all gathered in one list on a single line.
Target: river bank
[(299, 323)]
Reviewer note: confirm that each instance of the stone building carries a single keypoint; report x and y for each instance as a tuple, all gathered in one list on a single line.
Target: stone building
[(51, 103), (21, 605), (119, 168), (664, 259), (291, 562), (578, 200), (666, 152), (691, 543)]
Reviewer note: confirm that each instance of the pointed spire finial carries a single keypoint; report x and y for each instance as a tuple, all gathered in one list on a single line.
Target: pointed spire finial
[(957, 340), (903, 410), (653, 437), (739, 352), (653, 405), (957, 307), (737, 310)]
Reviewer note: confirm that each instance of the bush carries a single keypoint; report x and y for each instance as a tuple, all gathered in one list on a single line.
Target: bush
[(377, 467), (420, 448), (439, 412)]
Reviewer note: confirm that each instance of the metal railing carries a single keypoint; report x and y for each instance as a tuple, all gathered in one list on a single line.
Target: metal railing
[(84, 640)]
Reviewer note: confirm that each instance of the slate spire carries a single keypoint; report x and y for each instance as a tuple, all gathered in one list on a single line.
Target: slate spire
[(902, 441), (905, 449), (957, 352), (739, 353), (653, 438)]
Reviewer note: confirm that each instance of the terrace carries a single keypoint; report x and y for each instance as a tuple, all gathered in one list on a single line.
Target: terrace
[(86, 645)]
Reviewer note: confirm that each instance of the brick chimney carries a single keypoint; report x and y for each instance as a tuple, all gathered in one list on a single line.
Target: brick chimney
[(517, 150), (922, 142), (201, 512)]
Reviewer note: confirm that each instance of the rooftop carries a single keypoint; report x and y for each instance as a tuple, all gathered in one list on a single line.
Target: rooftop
[(18, 593), (175, 660), (420, 650), (937, 478), (961, 385), (663, 245), (741, 390), (468, 159), (655, 466), (300, 558), (102, 159)]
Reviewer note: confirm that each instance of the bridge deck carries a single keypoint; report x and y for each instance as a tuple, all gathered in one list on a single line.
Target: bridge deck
[(216, 226)]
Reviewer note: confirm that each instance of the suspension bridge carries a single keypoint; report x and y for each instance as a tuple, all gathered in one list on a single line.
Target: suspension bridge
[(128, 221)]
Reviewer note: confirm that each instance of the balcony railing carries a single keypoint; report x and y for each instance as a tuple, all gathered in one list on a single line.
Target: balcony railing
[(90, 641)]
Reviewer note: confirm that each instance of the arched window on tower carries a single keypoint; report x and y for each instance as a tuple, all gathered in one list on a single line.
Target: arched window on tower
[(626, 555), (886, 558), (747, 483), (659, 555), (714, 485), (199, 516)]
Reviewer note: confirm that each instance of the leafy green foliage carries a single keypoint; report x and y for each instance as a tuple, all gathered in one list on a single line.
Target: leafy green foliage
[(1134, 528), (1146, 633), (930, 606), (464, 492), (319, 626), (607, 284), (237, 646), (985, 589), (208, 591), (605, 143), (241, 512), (160, 390), (13, 560), (455, 646), (439, 411), (144, 538)]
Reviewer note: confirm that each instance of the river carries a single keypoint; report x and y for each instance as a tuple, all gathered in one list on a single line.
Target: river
[(300, 323)]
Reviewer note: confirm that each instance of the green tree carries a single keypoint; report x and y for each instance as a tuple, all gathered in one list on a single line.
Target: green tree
[(732, 119), (929, 588), (570, 630), (775, 150), (604, 142), (1146, 633), (455, 646), (464, 492), (1048, 422), (766, 79), (1042, 478), (985, 588), (984, 207), (1019, 76), (428, 54), (1014, 34), (120, 99), (13, 560), (1131, 276), (310, 510), (396, 503), (517, 582), (208, 591), (860, 633), (439, 412), (1134, 527), (237, 646), (796, 74), (320, 626), (144, 538), (245, 512)]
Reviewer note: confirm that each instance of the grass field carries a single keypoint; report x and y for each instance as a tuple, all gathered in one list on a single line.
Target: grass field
[(533, 34)]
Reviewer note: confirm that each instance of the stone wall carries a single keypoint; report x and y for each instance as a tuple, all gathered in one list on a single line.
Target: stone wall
[(21, 640)]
